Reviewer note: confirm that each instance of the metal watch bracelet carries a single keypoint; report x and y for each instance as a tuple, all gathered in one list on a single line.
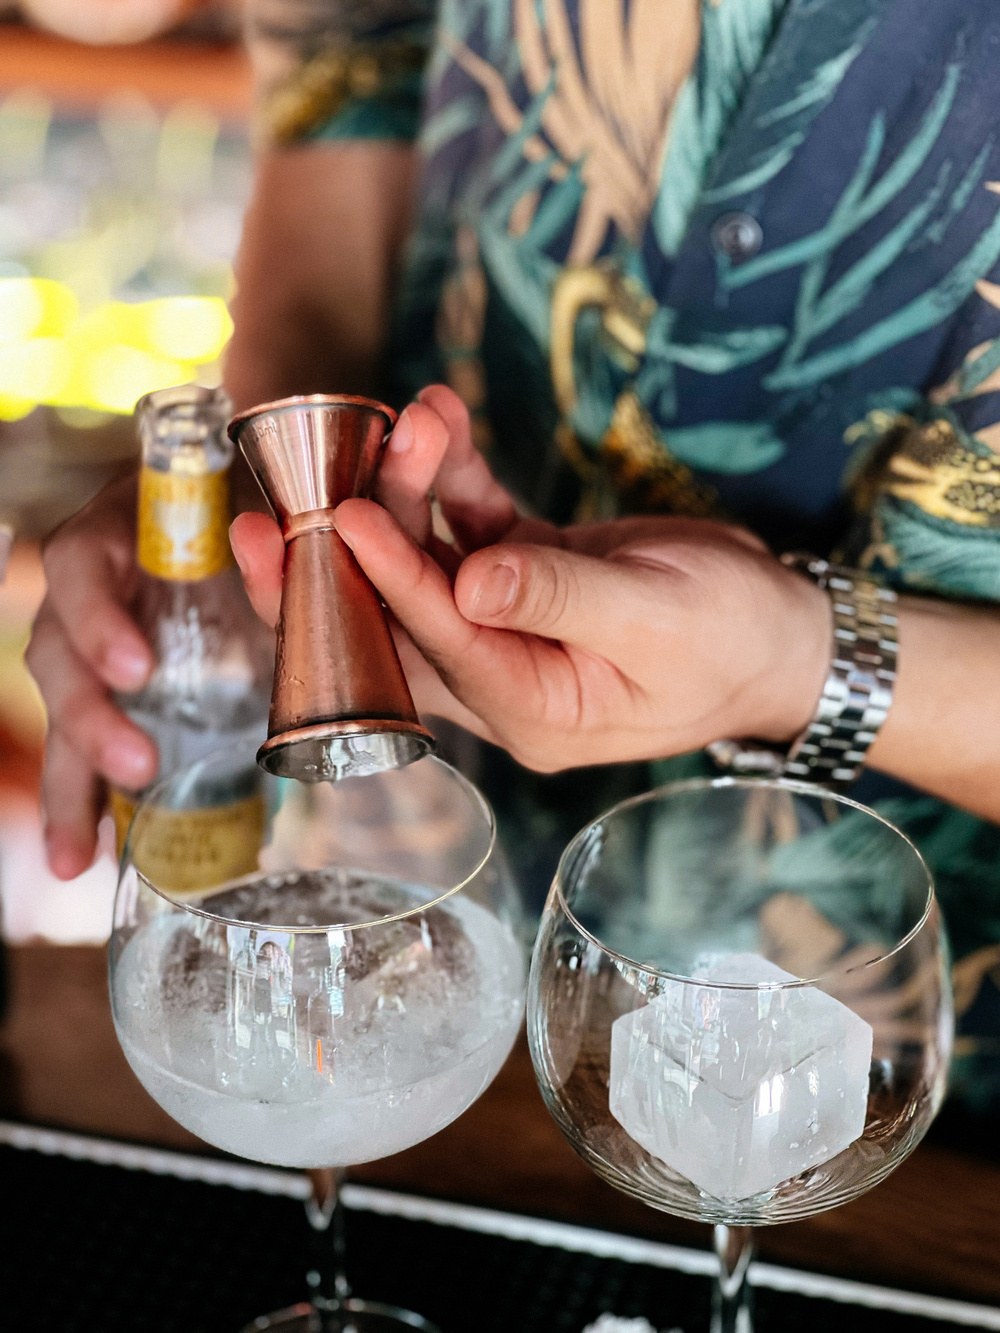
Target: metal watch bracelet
[(857, 693)]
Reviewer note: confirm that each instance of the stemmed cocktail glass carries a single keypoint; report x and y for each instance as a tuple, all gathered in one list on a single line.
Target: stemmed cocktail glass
[(348, 995), (739, 1008)]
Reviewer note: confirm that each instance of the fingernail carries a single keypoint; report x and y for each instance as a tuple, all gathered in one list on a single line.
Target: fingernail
[(402, 436), (128, 663), (127, 762), (496, 591)]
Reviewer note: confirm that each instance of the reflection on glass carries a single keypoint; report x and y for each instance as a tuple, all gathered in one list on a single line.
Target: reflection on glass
[(346, 999), (738, 1008)]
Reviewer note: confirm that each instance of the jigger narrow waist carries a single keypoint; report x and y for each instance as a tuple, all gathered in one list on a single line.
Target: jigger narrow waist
[(313, 520)]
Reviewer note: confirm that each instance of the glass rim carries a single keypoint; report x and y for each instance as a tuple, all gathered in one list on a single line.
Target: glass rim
[(709, 784), (190, 906)]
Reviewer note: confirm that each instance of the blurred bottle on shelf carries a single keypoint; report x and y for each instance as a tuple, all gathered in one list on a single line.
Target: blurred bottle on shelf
[(214, 659)]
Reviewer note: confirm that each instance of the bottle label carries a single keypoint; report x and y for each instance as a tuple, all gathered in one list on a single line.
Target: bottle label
[(184, 524), (185, 852)]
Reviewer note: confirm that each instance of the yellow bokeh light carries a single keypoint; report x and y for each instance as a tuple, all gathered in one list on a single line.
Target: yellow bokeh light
[(117, 376), (106, 359), (112, 323), (35, 307), (188, 328), (60, 308), (13, 408), (37, 369), (20, 309)]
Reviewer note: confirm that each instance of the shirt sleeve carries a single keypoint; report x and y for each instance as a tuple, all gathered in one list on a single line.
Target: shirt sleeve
[(929, 482), (338, 69)]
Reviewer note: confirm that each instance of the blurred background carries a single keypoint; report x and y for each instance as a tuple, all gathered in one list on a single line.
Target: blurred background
[(124, 166)]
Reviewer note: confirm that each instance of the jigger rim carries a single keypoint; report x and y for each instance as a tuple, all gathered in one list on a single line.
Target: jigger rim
[(588, 841), (238, 421)]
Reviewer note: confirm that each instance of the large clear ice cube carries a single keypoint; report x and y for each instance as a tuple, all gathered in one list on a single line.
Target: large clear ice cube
[(739, 1090)]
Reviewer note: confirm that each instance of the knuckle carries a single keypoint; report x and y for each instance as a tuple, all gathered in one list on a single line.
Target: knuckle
[(52, 552), (38, 652), (34, 660), (525, 742), (33, 651), (81, 728), (64, 554), (546, 594), (62, 758), (536, 759)]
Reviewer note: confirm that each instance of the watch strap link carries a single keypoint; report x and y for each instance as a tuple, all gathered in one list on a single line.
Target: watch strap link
[(858, 691)]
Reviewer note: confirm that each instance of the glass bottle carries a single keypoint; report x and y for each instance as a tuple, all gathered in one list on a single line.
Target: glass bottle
[(214, 658)]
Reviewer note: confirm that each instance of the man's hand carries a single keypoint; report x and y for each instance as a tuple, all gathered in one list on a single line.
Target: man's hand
[(83, 646), (614, 641)]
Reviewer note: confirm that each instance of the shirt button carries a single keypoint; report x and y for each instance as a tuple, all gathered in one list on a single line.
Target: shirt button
[(737, 235)]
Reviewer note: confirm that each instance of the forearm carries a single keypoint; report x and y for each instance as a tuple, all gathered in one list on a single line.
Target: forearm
[(338, 95), (943, 730), (316, 269)]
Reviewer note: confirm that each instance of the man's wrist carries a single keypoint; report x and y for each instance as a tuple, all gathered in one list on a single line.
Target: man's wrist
[(857, 690), (789, 694)]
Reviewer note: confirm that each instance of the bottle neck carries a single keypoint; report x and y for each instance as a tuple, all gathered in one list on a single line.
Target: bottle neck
[(184, 485)]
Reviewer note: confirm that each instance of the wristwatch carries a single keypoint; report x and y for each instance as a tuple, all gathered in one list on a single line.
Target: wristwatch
[(857, 693)]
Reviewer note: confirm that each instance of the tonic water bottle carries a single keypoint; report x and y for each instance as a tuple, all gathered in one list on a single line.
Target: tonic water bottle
[(213, 657)]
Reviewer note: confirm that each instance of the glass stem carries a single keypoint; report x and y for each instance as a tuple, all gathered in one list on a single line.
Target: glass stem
[(327, 1276), (731, 1296)]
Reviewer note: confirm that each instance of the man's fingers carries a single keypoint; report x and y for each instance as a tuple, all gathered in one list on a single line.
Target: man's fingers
[(508, 687), (430, 694), (259, 549), (81, 712), (414, 586), (409, 466), (473, 665), (478, 509), (602, 606), (71, 804), (86, 592)]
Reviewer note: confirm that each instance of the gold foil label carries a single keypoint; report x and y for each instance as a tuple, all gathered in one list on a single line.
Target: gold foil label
[(184, 524), (185, 852)]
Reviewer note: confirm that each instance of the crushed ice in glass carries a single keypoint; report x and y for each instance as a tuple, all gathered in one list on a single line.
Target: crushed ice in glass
[(337, 1045)]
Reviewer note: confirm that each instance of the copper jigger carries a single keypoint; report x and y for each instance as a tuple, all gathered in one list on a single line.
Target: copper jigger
[(340, 705)]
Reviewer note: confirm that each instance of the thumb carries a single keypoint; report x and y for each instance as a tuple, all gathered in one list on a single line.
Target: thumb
[(558, 594), (259, 549)]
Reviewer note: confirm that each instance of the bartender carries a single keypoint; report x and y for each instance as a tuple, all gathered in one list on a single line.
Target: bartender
[(672, 288)]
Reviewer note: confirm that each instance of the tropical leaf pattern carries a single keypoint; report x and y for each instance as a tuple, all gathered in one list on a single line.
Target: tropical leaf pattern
[(732, 69), (612, 133)]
